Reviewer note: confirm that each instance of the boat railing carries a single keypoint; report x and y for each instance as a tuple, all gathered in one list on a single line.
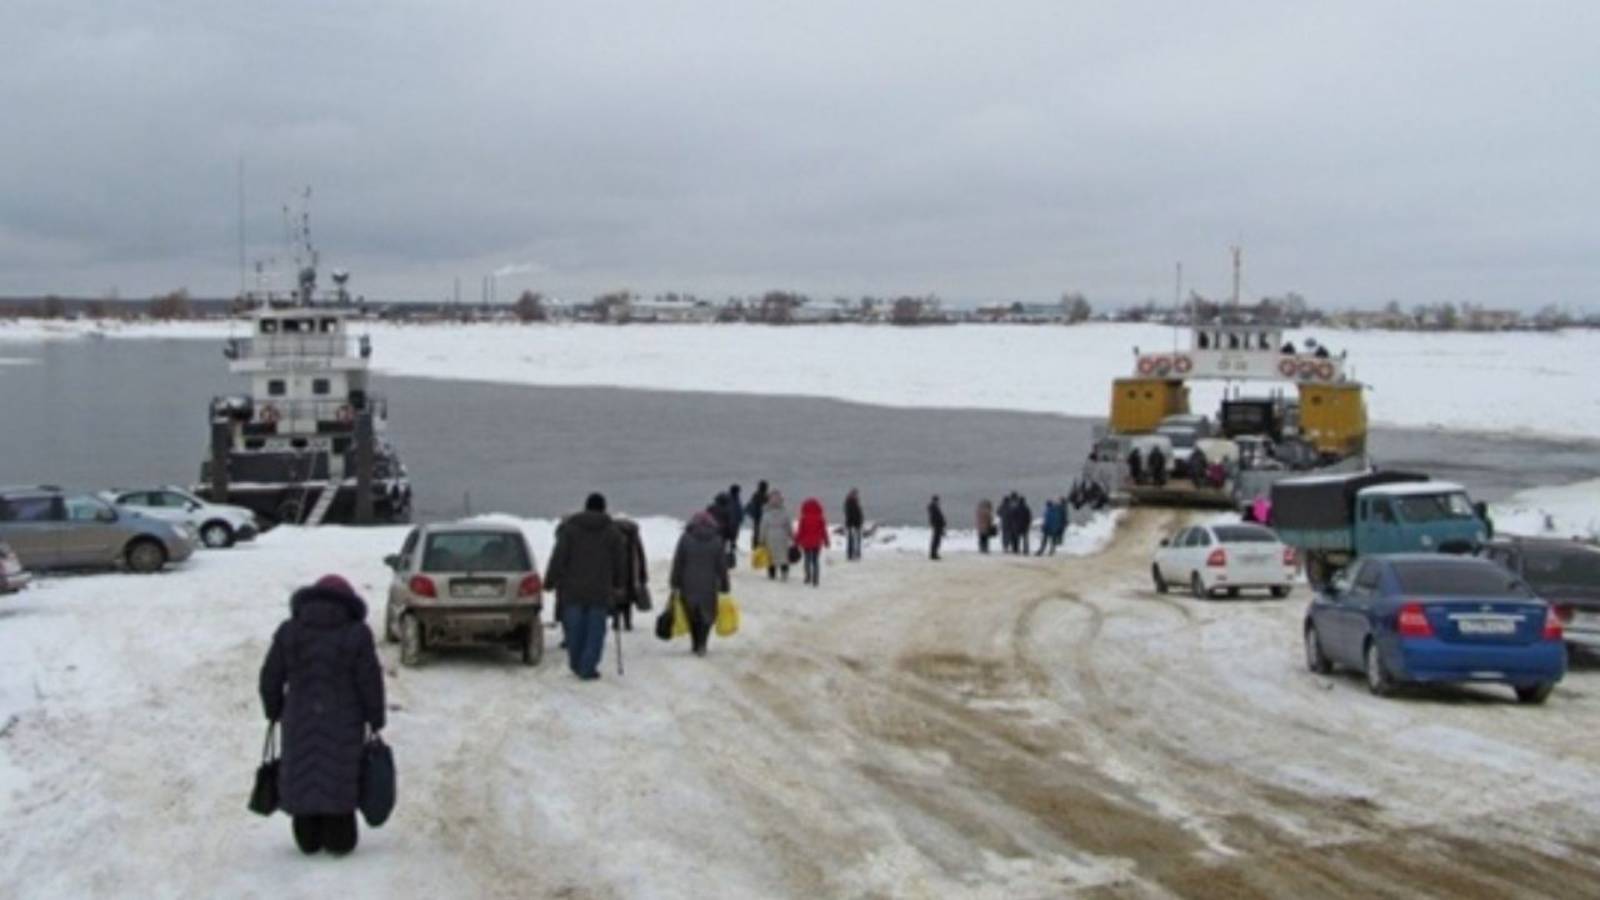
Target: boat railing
[(330, 413), (288, 346)]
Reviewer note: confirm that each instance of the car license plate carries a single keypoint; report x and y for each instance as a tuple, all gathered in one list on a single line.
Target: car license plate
[(475, 590), (1586, 619), (1487, 626)]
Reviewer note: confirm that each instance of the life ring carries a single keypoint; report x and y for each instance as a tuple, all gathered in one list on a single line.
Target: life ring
[(345, 414), (1325, 371), (1286, 368), (268, 415), (1146, 365), (1307, 368), (1182, 364), (1163, 365)]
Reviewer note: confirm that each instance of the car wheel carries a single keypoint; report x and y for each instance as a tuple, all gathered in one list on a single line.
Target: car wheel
[(216, 535), (532, 644), (410, 640), (1535, 693), (1378, 680), (1198, 587), (1280, 591), (389, 633), (1316, 661), (1155, 575), (145, 556), (1233, 593)]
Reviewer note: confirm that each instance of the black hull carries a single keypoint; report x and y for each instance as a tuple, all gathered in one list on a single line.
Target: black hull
[(289, 505)]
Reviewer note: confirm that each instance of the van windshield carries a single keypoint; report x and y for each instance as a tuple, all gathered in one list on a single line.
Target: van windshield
[(475, 551), (1434, 507)]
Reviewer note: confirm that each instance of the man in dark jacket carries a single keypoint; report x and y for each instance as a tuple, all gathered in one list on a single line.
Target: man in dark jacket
[(1008, 540), (1158, 467), (1023, 524), (936, 524), (587, 571), (757, 505), (1135, 466), (699, 575), (736, 514), (321, 680), (854, 521)]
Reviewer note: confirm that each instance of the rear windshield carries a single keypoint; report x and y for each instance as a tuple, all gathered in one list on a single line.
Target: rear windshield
[(1434, 507), (1436, 579), (1182, 437), (1569, 569), (475, 551), (1244, 534)]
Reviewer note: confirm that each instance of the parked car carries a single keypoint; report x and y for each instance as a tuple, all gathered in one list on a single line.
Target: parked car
[(461, 584), (49, 529), (219, 524), (1209, 559), (1420, 618), (1565, 573), (13, 577)]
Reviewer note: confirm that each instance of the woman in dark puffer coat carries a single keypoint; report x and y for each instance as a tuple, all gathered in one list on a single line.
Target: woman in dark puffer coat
[(322, 682), (699, 574)]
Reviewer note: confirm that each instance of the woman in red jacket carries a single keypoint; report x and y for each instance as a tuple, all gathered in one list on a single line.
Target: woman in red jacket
[(811, 535)]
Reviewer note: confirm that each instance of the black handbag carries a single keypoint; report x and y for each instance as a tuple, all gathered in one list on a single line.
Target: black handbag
[(264, 796), (664, 624), (641, 600), (377, 782), (794, 554)]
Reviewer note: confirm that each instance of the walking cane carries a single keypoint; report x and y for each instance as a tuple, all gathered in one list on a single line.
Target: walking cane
[(617, 629)]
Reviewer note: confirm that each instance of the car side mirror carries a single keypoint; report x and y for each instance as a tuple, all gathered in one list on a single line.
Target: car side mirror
[(193, 506), (392, 561)]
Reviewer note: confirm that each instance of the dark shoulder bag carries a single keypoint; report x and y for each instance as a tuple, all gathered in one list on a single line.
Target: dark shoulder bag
[(377, 782), (264, 796)]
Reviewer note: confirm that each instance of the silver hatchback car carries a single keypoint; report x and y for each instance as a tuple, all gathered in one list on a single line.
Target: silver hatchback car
[(465, 583), (51, 530)]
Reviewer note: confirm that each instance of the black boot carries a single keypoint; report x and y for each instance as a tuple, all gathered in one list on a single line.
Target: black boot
[(308, 834)]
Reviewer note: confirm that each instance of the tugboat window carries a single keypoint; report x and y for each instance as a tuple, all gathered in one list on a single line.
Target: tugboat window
[(276, 388), (269, 326), (319, 386), (329, 325)]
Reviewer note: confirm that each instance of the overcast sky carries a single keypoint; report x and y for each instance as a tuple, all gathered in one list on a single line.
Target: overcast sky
[(1359, 151)]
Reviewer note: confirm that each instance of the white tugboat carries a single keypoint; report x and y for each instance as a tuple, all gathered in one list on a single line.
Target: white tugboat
[(307, 444)]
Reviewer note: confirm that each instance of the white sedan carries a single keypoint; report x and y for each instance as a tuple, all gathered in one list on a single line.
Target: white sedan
[(219, 524), (1214, 559)]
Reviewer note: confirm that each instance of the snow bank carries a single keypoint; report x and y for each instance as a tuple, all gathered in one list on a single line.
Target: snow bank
[(1540, 383), (1568, 511)]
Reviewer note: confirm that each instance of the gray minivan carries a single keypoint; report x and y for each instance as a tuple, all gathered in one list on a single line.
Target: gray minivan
[(48, 529)]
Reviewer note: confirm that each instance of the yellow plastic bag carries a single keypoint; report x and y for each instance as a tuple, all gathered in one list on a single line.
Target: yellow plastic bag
[(761, 559), (727, 616), (680, 616)]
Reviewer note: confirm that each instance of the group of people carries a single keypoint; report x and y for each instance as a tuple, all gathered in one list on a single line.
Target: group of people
[(322, 683)]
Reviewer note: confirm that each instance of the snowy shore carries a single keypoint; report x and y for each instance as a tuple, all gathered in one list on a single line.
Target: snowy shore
[(1515, 382)]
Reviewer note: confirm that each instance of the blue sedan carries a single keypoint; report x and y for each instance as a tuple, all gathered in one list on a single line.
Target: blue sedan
[(1435, 619)]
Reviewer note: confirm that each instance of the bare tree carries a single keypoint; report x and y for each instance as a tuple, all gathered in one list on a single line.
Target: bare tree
[(530, 307)]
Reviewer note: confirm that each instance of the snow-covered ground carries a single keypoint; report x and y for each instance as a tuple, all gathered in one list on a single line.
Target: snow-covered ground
[(1530, 383), (1568, 511)]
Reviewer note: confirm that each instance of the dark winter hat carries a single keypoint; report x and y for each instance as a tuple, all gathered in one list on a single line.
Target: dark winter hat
[(595, 503), (335, 583)]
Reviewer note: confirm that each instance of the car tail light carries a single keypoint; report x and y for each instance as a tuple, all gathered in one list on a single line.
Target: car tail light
[(1218, 558), (1289, 559), (530, 586), (1552, 623), (1414, 622), (422, 586), (1564, 613)]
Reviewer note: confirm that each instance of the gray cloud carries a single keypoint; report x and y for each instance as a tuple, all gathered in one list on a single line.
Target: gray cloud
[(1360, 151)]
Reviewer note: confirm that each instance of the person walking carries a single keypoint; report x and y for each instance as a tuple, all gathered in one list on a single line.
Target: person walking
[(753, 510), (1023, 524), (587, 571), (984, 520), (699, 575), (735, 523), (1054, 526), (936, 524), (777, 533), (1135, 466), (811, 535), (1158, 467), (854, 521), (322, 683), (1008, 542), (635, 578)]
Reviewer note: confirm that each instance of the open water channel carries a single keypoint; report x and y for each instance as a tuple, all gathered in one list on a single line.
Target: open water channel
[(100, 413)]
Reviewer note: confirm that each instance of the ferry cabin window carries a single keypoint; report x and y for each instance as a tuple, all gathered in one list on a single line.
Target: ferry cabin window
[(269, 326), (276, 388), (329, 326), (320, 387)]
